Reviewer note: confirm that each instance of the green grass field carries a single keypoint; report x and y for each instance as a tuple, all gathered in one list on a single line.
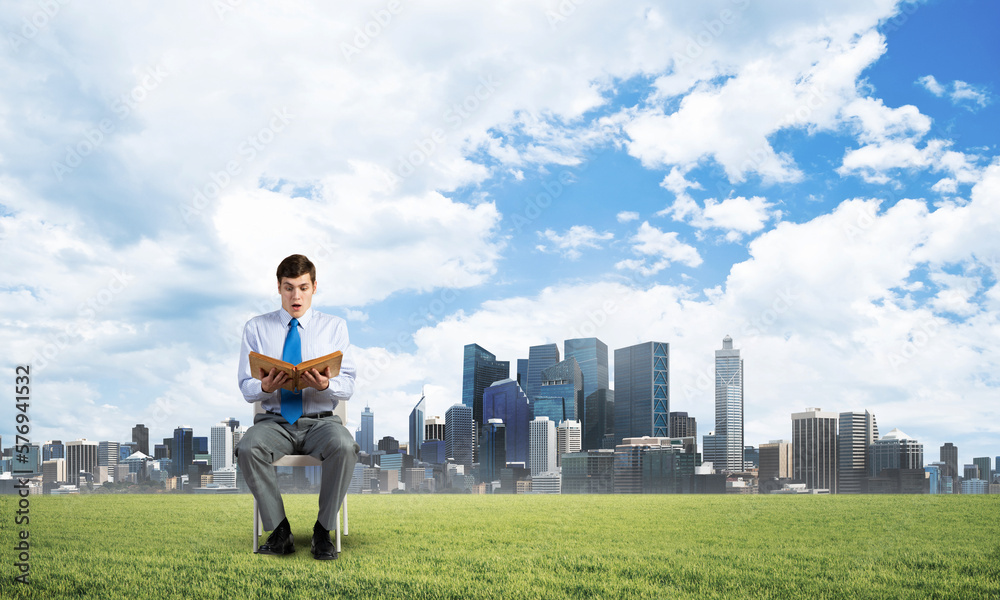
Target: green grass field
[(443, 546)]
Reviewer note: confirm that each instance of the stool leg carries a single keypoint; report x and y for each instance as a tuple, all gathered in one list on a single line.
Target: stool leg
[(338, 534), (256, 525), (344, 508)]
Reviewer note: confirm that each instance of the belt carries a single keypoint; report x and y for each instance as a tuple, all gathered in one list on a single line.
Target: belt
[(319, 415)]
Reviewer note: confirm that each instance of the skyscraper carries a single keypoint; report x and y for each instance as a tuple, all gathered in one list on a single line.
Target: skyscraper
[(458, 437), (492, 450), (434, 429), (81, 455), (53, 449), (598, 418), (983, 463), (182, 452), (775, 460), (539, 358), (542, 445), (857, 432), (506, 401), (522, 373), (729, 405), (560, 395), (713, 448), (681, 425), (568, 439), (642, 391), (814, 449), (107, 455), (366, 434), (417, 428), (949, 456), (480, 368), (221, 449), (895, 450), (592, 356), (140, 435)]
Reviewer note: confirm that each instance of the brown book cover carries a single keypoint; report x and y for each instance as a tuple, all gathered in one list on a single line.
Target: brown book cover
[(259, 361)]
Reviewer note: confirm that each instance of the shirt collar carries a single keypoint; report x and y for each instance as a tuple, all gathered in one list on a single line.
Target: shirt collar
[(286, 318)]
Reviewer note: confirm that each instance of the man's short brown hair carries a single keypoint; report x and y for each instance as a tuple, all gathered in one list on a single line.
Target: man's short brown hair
[(296, 265)]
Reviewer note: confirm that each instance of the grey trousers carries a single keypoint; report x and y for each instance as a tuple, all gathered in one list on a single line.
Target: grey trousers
[(272, 437)]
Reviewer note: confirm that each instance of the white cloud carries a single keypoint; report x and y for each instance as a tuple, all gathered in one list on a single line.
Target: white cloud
[(627, 215), (737, 216), (877, 162), (961, 93), (931, 84), (575, 238), (662, 248)]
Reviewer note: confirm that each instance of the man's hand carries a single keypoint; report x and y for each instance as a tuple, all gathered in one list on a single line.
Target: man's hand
[(272, 381), (314, 379)]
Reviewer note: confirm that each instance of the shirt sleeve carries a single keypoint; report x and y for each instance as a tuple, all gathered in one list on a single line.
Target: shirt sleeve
[(250, 386), (342, 386)]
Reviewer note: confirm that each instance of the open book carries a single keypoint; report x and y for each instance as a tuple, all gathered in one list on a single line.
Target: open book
[(259, 361)]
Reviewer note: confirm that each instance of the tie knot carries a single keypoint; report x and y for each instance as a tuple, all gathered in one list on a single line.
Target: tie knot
[(294, 322)]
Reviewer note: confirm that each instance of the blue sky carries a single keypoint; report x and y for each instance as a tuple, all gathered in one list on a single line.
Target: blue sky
[(820, 182)]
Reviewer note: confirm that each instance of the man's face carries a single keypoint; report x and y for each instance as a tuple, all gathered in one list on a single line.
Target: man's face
[(296, 294)]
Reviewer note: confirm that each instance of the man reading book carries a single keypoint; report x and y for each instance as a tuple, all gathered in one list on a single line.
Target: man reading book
[(297, 421)]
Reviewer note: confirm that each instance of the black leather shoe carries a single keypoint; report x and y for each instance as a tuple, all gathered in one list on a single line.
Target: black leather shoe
[(322, 548), (279, 542)]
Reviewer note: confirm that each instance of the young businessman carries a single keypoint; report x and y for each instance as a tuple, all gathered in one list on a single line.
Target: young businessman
[(297, 423)]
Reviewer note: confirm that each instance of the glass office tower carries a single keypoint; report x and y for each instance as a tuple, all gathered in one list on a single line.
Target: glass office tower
[(592, 356), (642, 391), (416, 441), (539, 358), (480, 368), (504, 400)]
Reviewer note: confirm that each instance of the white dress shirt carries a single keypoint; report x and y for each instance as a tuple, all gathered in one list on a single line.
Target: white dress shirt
[(320, 333)]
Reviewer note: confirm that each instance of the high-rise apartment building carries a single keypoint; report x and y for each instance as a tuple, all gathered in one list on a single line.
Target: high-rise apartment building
[(539, 358), (480, 368), (814, 449), (568, 439), (506, 401), (642, 391), (857, 431), (729, 405), (221, 446), (592, 356), (458, 438), (542, 445), (140, 435), (417, 428), (560, 395)]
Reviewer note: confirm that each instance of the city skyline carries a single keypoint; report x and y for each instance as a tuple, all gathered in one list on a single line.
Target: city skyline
[(819, 183), (852, 436)]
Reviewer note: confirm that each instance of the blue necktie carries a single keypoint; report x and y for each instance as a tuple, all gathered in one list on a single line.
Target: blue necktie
[(291, 402)]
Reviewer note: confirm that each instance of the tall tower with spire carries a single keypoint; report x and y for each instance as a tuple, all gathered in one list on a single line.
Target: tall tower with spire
[(729, 406), (365, 435)]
